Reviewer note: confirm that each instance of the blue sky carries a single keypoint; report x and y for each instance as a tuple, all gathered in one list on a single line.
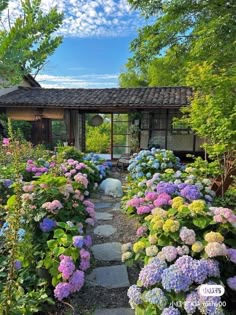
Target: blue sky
[(95, 49)]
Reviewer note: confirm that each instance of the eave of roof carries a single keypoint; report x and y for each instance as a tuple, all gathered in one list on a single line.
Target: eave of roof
[(88, 99)]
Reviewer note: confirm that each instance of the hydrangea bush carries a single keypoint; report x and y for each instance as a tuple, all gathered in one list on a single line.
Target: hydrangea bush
[(51, 247), (183, 242)]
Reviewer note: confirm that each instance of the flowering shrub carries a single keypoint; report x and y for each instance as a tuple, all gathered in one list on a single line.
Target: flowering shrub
[(183, 242), (102, 165), (148, 162), (43, 229)]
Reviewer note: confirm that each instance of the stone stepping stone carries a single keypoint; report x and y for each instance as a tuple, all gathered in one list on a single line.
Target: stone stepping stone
[(102, 205), (109, 277), (116, 207), (114, 311), (104, 216), (104, 230), (107, 251)]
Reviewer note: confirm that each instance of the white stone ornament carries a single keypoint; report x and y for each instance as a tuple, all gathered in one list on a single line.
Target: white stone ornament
[(111, 187)]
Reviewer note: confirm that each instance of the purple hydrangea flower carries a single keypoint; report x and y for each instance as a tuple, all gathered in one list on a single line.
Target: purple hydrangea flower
[(213, 269), (66, 266), (184, 263), (78, 241), (190, 192), (173, 278), (232, 254), (188, 236), (170, 311), (199, 271), (17, 264), (151, 273), (88, 241), (62, 290), (209, 304), (76, 281), (167, 188), (232, 283), (47, 225), (134, 294)]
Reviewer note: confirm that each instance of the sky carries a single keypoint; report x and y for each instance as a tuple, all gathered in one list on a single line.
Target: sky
[(97, 35)]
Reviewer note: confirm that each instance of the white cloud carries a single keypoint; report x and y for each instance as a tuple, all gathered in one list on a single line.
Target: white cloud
[(82, 81), (85, 18)]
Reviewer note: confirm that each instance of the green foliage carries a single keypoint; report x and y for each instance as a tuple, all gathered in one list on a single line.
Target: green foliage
[(70, 153), (98, 138), (29, 41)]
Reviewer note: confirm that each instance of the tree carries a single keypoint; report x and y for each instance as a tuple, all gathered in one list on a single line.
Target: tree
[(201, 35), (26, 42)]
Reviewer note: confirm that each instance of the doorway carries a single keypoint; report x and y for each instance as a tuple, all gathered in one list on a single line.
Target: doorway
[(109, 137)]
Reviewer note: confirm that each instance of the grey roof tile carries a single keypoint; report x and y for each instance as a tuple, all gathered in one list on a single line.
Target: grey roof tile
[(134, 98)]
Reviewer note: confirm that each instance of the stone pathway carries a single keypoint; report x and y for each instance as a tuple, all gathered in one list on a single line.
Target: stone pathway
[(105, 290)]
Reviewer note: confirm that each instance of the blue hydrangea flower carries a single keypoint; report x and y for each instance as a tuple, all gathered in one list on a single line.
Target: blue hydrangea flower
[(156, 296), (173, 279), (78, 241), (47, 225), (4, 228), (21, 234)]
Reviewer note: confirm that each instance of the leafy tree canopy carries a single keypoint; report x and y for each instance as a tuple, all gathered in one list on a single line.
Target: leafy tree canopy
[(26, 42)]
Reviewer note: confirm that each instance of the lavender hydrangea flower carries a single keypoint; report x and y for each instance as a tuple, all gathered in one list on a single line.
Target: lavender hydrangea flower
[(174, 279), (213, 269), (62, 290), (170, 253), (167, 188), (78, 241), (171, 311), (151, 273), (156, 296), (232, 254), (88, 241), (76, 281), (134, 294), (232, 283), (47, 225), (184, 263), (192, 302), (209, 304), (199, 271), (190, 192), (188, 236)]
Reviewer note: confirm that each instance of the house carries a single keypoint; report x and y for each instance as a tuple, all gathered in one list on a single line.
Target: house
[(145, 113)]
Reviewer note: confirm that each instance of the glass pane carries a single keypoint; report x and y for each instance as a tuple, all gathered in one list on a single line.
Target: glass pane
[(179, 142), (145, 121), (120, 117), (157, 139), (120, 128), (58, 132), (120, 140), (117, 151)]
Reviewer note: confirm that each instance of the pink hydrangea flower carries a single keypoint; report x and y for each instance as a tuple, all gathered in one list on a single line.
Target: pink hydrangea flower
[(150, 196), (143, 209), (66, 266)]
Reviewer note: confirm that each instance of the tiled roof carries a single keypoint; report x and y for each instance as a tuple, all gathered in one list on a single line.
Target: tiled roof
[(123, 98)]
